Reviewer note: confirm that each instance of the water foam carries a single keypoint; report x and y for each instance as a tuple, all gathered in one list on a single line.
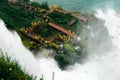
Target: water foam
[(112, 60), (11, 44)]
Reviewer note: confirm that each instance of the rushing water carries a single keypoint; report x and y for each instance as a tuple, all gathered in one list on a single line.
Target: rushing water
[(84, 5), (102, 63)]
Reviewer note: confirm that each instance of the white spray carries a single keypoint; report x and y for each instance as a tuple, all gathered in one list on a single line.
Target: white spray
[(11, 44)]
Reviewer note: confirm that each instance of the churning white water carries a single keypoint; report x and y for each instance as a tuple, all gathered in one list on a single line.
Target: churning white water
[(98, 67), (11, 44)]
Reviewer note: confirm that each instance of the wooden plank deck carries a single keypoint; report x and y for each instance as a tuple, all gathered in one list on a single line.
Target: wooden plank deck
[(62, 29), (74, 15)]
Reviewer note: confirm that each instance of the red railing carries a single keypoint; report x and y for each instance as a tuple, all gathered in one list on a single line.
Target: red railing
[(62, 29)]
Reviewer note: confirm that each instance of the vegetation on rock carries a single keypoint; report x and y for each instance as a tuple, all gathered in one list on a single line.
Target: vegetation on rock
[(11, 70)]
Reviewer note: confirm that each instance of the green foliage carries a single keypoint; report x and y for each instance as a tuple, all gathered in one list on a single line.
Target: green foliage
[(31, 45), (67, 57), (62, 60), (63, 20), (70, 52), (11, 70), (69, 48), (43, 5), (21, 0), (60, 18), (47, 31), (15, 17), (3, 2), (26, 0)]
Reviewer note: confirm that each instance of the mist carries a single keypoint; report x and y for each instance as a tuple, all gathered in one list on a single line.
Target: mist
[(11, 44)]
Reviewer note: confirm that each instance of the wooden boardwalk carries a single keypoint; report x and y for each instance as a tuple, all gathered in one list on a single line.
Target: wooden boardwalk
[(62, 29), (74, 15)]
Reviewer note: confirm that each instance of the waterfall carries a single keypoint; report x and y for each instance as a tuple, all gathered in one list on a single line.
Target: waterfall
[(105, 66), (11, 44)]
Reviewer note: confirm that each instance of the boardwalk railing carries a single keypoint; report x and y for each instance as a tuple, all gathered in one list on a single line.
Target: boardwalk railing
[(74, 15), (62, 29)]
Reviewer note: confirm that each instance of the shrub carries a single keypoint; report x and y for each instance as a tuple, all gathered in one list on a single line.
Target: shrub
[(69, 48), (63, 60), (67, 57), (11, 70), (44, 5)]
